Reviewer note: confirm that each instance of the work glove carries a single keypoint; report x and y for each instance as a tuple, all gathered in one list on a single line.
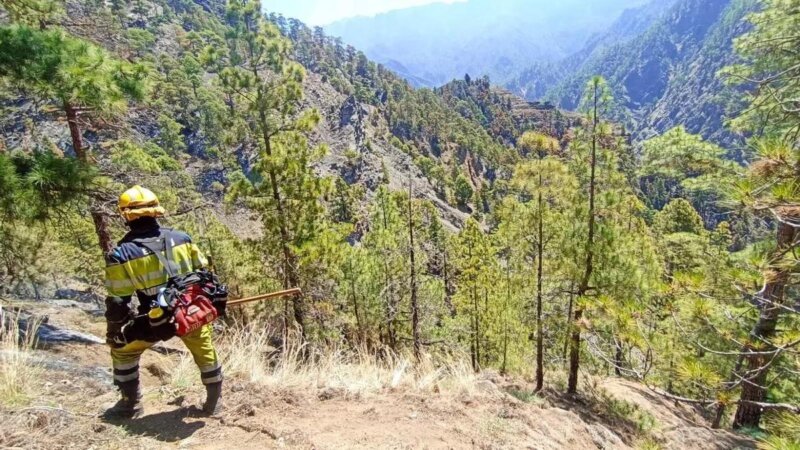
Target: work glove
[(123, 326), (114, 335), (118, 315), (137, 329), (216, 292)]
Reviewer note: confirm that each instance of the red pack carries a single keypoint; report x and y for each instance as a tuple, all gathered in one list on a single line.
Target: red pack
[(192, 309)]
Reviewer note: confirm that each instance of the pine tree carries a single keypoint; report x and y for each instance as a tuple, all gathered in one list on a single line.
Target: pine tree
[(612, 263), (677, 164), (533, 223), (37, 13), (261, 77), (385, 242), (769, 72), (353, 269), (413, 281), (462, 190), (678, 217), (596, 92), (79, 78), (770, 75), (770, 188), (475, 260)]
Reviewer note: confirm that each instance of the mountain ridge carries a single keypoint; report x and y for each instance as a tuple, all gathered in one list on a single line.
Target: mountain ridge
[(441, 42), (644, 52), (668, 75)]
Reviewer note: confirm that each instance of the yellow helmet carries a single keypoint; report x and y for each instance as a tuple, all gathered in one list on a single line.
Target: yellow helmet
[(139, 202)]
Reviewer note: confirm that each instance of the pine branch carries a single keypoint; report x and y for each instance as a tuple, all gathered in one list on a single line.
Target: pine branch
[(191, 209)]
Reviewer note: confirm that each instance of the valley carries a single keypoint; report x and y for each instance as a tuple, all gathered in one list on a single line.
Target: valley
[(523, 224)]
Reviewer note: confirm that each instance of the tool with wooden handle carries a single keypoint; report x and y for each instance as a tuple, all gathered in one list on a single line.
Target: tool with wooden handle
[(271, 295)]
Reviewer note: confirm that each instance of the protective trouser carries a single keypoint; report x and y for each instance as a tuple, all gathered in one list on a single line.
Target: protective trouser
[(125, 360)]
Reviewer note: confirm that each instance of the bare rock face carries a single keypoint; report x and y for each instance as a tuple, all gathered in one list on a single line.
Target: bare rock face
[(352, 112), (489, 388), (46, 334), (357, 137), (603, 438)]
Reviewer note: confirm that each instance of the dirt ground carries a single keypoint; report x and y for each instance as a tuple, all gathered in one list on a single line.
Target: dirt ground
[(76, 386)]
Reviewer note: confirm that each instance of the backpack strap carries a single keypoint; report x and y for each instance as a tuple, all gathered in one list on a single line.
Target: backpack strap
[(165, 259)]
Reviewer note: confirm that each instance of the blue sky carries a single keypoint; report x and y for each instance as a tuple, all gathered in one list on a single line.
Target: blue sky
[(323, 12)]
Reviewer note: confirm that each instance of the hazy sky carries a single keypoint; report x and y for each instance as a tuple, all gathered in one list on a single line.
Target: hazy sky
[(323, 12)]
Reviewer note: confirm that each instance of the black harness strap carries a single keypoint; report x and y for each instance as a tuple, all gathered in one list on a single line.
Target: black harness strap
[(166, 259)]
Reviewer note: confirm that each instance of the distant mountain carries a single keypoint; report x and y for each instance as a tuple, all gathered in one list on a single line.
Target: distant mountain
[(535, 81), (661, 61), (401, 70), (436, 43)]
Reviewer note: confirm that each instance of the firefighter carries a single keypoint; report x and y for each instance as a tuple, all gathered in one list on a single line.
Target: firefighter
[(132, 269)]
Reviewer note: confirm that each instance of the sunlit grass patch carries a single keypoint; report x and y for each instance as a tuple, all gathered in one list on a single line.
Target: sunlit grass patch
[(20, 373), (247, 355)]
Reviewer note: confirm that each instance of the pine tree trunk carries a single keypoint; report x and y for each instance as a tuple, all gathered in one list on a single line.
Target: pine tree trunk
[(391, 310), (291, 278), (583, 288), (354, 297), (476, 350), (101, 228), (574, 353), (414, 306), (75, 133), (448, 294), (503, 366), (485, 309), (98, 218), (671, 367), (539, 276), (569, 320), (473, 359), (754, 386), (477, 332), (720, 413), (748, 415)]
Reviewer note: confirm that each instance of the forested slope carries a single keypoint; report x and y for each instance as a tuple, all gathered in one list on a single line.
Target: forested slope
[(662, 68), (455, 229)]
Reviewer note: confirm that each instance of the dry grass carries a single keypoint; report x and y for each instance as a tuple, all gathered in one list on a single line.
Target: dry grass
[(20, 373), (247, 356), (20, 377)]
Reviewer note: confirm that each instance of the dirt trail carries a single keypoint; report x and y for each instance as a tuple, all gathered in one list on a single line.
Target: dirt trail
[(76, 386)]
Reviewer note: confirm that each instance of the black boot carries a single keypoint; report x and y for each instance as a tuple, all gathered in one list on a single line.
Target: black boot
[(129, 405), (213, 403)]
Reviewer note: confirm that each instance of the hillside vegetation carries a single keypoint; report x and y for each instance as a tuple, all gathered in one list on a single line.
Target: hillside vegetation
[(666, 74), (456, 233), (660, 57)]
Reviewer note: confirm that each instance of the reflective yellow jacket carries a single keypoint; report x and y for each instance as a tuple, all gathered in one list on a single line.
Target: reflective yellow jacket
[(131, 268)]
